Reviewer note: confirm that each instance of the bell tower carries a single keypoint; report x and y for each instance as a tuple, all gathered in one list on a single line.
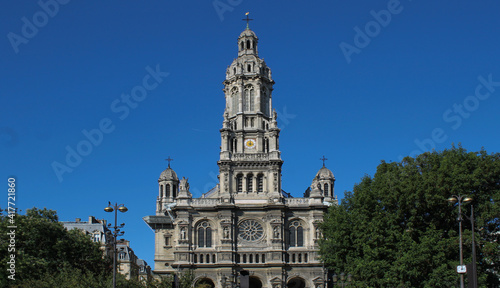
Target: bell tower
[(250, 160)]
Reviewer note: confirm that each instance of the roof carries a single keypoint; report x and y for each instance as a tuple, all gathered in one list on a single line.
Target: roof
[(248, 33), (325, 173), (168, 174)]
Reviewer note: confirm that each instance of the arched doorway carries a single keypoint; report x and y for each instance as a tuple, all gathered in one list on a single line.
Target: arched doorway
[(254, 282), (204, 283), (296, 283)]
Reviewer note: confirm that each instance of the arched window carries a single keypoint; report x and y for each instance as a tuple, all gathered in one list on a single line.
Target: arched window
[(263, 258), (263, 99), (248, 44), (252, 100), (325, 190), (242, 45), (234, 98), (253, 44), (296, 234), (250, 182), (195, 258), (204, 236), (248, 98), (234, 70), (239, 183), (174, 191), (213, 258), (161, 191), (167, 190), (244, 258), (256, 258), (260, 183)]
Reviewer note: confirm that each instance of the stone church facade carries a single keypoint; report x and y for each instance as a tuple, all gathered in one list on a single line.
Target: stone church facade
[(247, 222)]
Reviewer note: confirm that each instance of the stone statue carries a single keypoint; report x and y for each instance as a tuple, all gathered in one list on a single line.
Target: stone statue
[(184, 185), (318, 233), (226, 232), (276, 232), (183, 233)]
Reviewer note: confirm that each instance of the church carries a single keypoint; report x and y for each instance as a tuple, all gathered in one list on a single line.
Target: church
[(246, 224)]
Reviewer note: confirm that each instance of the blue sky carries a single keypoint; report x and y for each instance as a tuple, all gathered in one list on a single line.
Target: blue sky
[(415, 75)]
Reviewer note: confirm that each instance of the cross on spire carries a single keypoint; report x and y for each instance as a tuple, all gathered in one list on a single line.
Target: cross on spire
[(247, 19), (169, 159), (324, 159)]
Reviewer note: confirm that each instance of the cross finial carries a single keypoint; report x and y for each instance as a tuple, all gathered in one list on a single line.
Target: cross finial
[(247, 19), (324, 159), (169, 159)]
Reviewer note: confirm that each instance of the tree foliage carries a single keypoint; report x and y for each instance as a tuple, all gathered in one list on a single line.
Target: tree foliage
[(45, 249), (396, 229), (47, 255)]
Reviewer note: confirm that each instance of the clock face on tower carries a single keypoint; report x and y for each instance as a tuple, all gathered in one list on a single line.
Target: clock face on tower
[(250, 143)]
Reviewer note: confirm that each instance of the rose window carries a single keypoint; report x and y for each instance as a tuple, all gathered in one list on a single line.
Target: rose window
[(250, 230)]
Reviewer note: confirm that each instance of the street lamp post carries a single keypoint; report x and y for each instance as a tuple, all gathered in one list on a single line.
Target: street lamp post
[(343, 281), (460, 199), (116, 231)]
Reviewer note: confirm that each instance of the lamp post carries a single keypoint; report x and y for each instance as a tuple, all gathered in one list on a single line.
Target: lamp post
[(343, 281), (116, 231), (460, 199), (474, 267)]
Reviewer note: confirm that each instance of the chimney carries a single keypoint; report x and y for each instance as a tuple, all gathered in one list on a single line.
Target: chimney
[(77, 220)]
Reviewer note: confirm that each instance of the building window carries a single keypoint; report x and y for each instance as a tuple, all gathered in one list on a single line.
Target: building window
[(296, 234), (167, 240), (97, 238), (239, 183), (121, 256), (325, 192), (260, 183), (248, 98), (263, 258), (234, 97), (204, 236), (250, 183), (167, 190), (161, 191)]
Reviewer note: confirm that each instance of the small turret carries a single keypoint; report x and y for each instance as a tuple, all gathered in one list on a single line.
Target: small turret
[(168, 185)]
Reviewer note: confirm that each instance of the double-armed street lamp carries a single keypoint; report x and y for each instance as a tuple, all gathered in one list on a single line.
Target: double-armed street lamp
[(116, 231), (343, 282), (460, 199)]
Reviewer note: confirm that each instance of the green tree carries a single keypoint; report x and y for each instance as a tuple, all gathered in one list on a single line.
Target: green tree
[(396, 229), (46, 253)]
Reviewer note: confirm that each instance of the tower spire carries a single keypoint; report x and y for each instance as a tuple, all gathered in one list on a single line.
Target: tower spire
[(247, 19)]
